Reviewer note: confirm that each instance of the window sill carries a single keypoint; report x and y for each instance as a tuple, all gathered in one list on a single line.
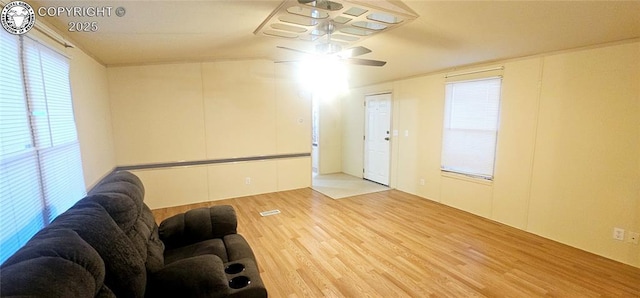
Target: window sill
[(466, 178)]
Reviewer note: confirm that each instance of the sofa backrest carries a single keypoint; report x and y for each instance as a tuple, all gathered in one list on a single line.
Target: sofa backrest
[(122, 195)]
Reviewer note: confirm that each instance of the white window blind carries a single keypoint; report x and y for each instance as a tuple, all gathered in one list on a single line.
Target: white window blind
[(40, 157), (471, 126), (20, 196), (53, 126)]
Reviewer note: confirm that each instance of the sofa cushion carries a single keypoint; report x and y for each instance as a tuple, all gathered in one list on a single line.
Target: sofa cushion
[(124, 267), (155, 252), (199, 276), (211, 246), (54, 263), (121, 207), (198, 224)]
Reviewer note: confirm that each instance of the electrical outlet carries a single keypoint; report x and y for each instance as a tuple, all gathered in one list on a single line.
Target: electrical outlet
[(618, 234), (422, 182), (633, 237), (247, 180)]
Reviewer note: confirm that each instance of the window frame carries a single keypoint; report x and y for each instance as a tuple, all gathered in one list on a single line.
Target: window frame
[(457, 155)]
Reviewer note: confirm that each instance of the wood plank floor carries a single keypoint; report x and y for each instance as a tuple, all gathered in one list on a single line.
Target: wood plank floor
[(393, 244)]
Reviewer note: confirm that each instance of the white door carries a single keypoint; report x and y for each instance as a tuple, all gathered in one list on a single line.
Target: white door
[(377, 144)]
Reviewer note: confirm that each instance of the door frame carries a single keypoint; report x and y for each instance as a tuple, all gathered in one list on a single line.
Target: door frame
[(365, 132), (315, 136)]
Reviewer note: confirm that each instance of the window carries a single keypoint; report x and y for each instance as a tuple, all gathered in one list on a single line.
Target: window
[(471, 127), (40, 164)]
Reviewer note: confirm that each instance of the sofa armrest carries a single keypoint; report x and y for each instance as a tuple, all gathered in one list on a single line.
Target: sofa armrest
[(199, 276), (197, 225), (244, 279)]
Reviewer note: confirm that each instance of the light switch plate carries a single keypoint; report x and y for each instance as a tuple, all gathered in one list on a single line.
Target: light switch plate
[(618, 234)]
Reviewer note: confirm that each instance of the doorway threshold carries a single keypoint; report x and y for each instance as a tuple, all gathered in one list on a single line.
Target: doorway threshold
[(341, 185)]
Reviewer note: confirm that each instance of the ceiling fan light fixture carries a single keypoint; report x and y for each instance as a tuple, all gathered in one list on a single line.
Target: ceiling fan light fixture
[(384, 18), (341, 20), (309, 37), (346, 54), (325, 76), (323, 4), (347, 21), (357, 31), (355, 11), (317, 32), (298, 20), (308, 12), (283, 34), (343, 16), (370, 25), (328, 48), (289, 28), (344, 37)]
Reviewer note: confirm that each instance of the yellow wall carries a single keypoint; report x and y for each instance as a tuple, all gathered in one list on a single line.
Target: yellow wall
[(90, 91), (568, 152), (215, 110), (330, 135)]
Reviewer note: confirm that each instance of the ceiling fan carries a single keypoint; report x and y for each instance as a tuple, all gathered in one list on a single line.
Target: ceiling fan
[(334, 49)]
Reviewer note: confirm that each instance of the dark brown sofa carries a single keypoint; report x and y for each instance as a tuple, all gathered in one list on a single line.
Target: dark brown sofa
[(108, 245)]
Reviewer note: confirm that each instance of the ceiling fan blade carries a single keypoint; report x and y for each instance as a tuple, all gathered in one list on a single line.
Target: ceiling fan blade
[(287, 61), (352, 52), (366, 62), (297, 51)]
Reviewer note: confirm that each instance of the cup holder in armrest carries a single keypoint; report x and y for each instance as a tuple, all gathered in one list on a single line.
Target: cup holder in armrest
[(244, 278), (234, 268), (239, 282)]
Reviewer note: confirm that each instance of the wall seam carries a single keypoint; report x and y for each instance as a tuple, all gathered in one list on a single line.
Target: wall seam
[(535, 144), (204, 122)]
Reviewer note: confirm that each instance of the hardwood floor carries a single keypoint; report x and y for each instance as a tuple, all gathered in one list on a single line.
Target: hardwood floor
[(393, 244)]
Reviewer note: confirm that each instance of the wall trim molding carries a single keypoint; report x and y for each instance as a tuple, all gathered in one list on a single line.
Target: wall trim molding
[(161, 165)]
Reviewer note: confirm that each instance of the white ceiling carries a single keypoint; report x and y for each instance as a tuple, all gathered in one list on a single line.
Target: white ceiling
[(445, 35)]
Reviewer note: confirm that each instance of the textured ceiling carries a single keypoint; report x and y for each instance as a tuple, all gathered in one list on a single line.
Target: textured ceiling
[(445, 34)]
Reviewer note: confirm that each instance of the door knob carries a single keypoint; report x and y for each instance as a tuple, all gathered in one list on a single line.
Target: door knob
[(386, 139)]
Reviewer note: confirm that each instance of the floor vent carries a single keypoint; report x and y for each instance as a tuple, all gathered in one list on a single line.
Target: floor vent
[(270, 212)]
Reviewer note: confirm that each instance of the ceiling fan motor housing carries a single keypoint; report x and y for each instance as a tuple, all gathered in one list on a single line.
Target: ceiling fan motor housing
[(324, 4)]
